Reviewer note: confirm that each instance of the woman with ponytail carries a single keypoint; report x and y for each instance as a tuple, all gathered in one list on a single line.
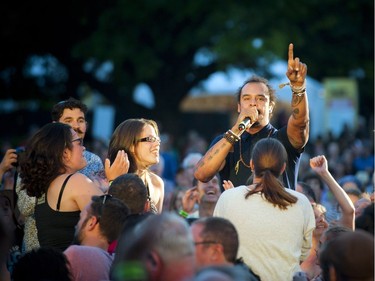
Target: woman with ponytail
[(274, 223)]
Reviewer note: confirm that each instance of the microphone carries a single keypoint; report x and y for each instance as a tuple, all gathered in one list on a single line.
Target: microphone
[(243, 125)]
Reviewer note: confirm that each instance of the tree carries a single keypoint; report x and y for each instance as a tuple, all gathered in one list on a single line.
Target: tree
[(157, 41)]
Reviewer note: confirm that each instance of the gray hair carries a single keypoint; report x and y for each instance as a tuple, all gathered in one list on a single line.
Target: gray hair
[(171, 236)]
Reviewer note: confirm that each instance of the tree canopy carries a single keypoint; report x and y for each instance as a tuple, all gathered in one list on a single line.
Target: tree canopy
[(157, 42)]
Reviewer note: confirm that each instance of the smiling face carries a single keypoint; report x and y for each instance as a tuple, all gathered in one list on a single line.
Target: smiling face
[(146, 150), (256, 95), (320, 221), (76, 119), (74, 156), (209, 191)]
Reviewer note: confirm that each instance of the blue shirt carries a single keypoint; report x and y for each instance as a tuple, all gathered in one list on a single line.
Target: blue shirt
[(94, 167)]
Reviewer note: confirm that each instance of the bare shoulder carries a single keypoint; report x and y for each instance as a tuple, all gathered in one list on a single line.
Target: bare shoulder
[(80, 178), (82, 184), (157, 181)]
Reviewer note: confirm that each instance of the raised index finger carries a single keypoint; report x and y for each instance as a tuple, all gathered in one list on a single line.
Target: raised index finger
[(290, 54)]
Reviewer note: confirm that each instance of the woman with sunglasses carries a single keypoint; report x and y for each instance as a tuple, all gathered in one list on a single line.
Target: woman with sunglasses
[(139, 138), (48, 169)]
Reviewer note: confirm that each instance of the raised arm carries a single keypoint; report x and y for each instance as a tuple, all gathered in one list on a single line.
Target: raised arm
[(320, 165), (119, 167), (298, 123), (7, 162)]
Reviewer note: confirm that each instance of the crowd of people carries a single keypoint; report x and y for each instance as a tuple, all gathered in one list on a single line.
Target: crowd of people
[(257, 203)]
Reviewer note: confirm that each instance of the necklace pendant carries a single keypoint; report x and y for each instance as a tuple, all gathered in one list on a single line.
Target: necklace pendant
[(237, 167)]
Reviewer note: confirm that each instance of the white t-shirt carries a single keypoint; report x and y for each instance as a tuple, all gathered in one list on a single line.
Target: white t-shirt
[(272, 241)]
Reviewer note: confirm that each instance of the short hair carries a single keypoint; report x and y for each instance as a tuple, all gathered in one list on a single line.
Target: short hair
[(167, 234), (71, 103), (131, 190), (196, 181), (125, 135), (351, 255), (221, 231), (42, 264), (334, 231), (111, 213), (172, 237), (258, 79)]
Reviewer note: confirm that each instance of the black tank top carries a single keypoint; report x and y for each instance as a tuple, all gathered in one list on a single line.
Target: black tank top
[(55, 228)]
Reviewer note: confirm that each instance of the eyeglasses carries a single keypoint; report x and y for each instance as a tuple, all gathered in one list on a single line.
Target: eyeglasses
[(79, 140), (205, 242), (103, 199), (151, 139)]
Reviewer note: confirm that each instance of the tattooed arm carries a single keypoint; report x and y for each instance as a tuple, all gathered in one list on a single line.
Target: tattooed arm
[(298, 123), (213, 161)]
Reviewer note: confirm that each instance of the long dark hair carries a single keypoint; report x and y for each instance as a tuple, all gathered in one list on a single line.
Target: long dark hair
[(42, 160), (269, 157)]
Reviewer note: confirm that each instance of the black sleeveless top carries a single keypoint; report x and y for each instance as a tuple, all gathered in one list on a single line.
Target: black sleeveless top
[(55, 228)]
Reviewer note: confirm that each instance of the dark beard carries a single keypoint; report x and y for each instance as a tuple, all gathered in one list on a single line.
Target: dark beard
[(76, 240)]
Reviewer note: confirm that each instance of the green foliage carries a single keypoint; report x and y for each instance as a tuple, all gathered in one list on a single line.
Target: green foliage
[(155, 41)]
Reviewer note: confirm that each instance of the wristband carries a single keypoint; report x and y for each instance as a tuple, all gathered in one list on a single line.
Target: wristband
[(231, 137), (300, 94), (299, 89), (183, 214)]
